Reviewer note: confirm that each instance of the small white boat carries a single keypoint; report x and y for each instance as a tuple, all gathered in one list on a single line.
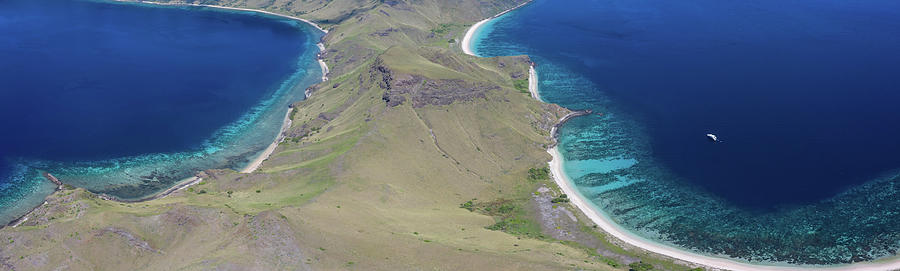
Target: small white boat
[(712, 137)]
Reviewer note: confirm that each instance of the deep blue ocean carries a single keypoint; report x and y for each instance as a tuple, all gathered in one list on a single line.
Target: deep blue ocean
[(127, 99), (804, 96)]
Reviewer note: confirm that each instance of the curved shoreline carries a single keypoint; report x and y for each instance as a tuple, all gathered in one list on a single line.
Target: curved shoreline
[(179, 186), (610, 227), (229, 8), (613, 229), (256, 163), (187, 182), (466, 42)]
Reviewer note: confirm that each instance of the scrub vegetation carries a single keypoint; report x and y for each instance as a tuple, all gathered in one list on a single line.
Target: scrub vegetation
[(413, 155), (521, 85)]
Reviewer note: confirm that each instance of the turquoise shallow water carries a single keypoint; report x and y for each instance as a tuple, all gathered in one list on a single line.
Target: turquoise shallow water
[(129, 99), (802, 93)]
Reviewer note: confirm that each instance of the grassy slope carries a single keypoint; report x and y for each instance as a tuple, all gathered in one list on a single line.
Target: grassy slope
[(359, 184)]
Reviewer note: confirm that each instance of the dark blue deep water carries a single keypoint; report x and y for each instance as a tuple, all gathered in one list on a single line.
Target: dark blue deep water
[(805, 96), (127, 99)]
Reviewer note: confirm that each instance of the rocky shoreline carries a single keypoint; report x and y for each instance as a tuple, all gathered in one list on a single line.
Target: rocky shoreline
[(60, 185), (23, 218), (181, 185), (554, 132)]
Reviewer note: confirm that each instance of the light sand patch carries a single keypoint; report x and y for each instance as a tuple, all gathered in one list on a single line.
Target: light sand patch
[(602, 221), (285, 125), (467, 39), (232, 8)]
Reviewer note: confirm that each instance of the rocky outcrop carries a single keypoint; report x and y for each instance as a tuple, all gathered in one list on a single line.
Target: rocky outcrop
[(53, 179), (64, 204), (381, 74), (383, 77), (444, 92), (422, 91), (274, 240), (132, 240), (566, 118), (384, 32)]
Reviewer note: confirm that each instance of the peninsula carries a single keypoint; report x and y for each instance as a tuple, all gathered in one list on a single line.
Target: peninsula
[(411, 153)]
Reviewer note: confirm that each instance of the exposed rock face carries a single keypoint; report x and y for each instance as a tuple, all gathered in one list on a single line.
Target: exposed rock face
[(561, 223), (384, 77), (394, 97), (234, 226), (549, 119), (424, 91), (381, 74), (385, 32), (392, 100), (444, 92), (273, 238), (132, 240)]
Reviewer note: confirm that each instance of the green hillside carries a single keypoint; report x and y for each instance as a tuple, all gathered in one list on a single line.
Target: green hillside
[(412, 156)]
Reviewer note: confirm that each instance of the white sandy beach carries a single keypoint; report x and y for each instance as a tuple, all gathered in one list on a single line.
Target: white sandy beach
[(285, 125), (466, 43), (616, 231), (184, 183), (231, 8), (579, 201), (322, 62), (559, 176), (178, 187), (269, 13), (287, 122), (533, 84)]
